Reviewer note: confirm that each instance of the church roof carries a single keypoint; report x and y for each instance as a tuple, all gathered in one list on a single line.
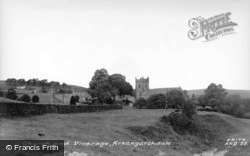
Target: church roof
[(150, 92)]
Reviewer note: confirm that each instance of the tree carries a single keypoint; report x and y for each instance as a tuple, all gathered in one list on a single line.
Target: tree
[(175, 98), (53, 83), (21, 82), (202, 101), (194, 97), (61, 91), (64, 85), (43, 82), (29, 82), (104, 92), (214, 94), (1, 93), (101, 76), (233, 104), (35, 99), (189, 109), (105, 87), (140, 103), (247, 104), (118, 81), (157, 101), (25, 98), (100, 86), (44, 90), (234, 99), (11, 82), (185, 93), (33, 82), (8, 82), (77, 98), (213, 103), (11, 94), (72, 100), (57, 84)]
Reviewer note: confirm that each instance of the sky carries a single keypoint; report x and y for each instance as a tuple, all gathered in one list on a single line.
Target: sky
[(67, 40)]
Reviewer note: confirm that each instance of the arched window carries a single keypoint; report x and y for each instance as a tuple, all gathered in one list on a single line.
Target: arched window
[(146, 85), (139, 85)]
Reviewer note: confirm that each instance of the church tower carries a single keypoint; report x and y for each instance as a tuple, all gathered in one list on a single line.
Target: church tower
[(141, 85)]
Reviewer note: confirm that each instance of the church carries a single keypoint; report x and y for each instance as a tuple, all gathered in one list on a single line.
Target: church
[(142, 89)]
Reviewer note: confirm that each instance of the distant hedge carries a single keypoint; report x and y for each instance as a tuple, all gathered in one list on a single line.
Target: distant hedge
[(36, 109), (24, 98), (140, 103)]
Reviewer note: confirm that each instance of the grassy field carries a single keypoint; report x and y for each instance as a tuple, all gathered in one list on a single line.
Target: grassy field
[(8, 100), (116, 125), (44, 98)]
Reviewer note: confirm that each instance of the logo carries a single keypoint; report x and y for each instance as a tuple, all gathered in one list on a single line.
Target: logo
[(8, 147), (211, 28)]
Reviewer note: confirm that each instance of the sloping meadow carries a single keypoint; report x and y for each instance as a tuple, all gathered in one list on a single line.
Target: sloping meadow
[(204, 133)]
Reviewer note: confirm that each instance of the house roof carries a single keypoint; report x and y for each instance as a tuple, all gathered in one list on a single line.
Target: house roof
[(150, 92)]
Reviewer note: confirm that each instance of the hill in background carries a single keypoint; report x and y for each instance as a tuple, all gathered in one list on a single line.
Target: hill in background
[(44, 98), (3, 85), (243, 93), (78, 88), (75, 87)]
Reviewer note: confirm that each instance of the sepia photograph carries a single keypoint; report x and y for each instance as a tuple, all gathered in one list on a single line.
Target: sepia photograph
[(124, 78)]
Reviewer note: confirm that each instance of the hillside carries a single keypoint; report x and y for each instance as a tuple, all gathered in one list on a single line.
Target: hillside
[(244, 93), (127, 125), (44, 98), (3, 85), (8, 100), (78, 88)]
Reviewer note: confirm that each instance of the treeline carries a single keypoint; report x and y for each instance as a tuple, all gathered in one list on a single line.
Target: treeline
[(215, 98), (175, 98), (34, 82)]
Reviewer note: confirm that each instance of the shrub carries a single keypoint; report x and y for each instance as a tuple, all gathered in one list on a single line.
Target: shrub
[(25, 98), (247, 104), (213, 103), (35, 99), (233, 105), (77, 98), (72, 100), (11, 94), (180, 122), (197, 127), (157, 101), (140, 103), (44, 90), (202, 101), (240, 113), (175, 98), (1, 93), (61, 91), (109, 101), (189, 109)]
